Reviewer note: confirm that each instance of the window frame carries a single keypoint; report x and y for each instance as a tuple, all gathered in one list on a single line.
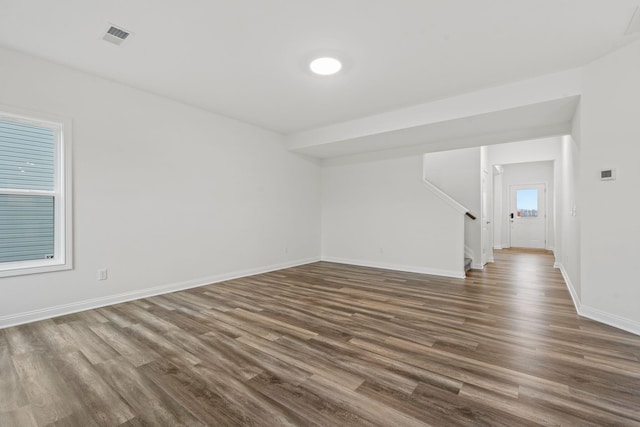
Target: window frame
[(62, 193)]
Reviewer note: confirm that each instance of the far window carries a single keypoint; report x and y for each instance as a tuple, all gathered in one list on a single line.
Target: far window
[(527, 203), (35, 216)]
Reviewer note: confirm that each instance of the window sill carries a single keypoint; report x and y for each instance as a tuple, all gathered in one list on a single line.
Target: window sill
[(31, 267)]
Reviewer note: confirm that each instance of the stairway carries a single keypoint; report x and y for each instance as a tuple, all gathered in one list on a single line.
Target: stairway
[(467, 264)]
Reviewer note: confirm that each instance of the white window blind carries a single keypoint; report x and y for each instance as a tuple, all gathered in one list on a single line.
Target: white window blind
[(26, 228), (27, 162), (27, 156)]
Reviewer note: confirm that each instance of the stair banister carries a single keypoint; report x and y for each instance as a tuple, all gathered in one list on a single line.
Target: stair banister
[(448, 199)]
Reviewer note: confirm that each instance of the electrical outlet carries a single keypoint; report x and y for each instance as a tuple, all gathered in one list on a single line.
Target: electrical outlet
[(102, 274)]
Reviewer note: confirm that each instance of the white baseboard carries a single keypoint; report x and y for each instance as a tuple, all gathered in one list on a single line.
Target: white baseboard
[(408, 268), (60, 310), (477, 266), (497, 247), (610, 319), (572, 290), (595, 314)]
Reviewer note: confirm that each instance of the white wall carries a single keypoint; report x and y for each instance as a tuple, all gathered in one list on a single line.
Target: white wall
[(496, 212), (609, 137), (568, 225), (536, 150), (165, 195), (458, 173), (381, 214)]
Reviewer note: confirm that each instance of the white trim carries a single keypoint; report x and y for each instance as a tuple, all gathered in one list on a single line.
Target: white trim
[(21, 268), (476, 266), (407, 268), (47, 313), (66, 189), (610, 319), (595, 314), (572, 291), (27, 192), (445, 197), (63, 226)]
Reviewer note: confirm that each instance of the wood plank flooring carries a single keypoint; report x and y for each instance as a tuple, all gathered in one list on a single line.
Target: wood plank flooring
[(330, 344)]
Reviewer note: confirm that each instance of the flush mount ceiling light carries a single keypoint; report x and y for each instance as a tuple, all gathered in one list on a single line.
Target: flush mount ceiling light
[(325, 66)]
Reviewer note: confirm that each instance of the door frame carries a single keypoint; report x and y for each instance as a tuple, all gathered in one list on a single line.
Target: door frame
[(486, 225)]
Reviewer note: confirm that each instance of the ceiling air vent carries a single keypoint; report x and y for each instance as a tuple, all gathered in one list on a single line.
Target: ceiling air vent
[(116, 35)]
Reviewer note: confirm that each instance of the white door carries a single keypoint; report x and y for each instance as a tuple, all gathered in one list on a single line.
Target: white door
[(528, 216), (487, 235)]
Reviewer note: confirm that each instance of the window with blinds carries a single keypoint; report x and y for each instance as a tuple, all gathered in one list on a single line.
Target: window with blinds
[(33, 214)]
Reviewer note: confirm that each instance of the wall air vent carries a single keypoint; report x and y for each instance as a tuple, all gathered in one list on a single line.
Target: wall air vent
[(634, 24), (116, 35)]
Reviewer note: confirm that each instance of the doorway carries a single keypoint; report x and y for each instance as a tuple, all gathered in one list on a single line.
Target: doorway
[(528, 216)]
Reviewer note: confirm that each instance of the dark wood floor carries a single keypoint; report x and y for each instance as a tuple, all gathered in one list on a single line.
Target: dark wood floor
[(330, 344)]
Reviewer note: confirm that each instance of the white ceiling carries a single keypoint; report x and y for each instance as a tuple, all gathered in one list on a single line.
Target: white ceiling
[(247, 58)]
